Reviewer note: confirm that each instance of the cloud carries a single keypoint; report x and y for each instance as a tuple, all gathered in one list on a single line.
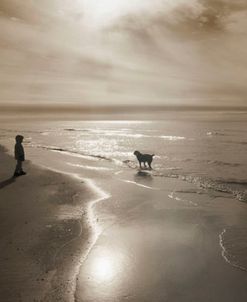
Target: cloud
[(165, 52), (188, 19), (46, 53), (25, 11), (195, 47), (207, 16)]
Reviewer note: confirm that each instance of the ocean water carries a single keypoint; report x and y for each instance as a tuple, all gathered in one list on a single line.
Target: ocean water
[(207, 149)]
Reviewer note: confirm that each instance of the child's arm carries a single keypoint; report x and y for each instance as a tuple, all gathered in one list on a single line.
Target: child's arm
[(19, 152)]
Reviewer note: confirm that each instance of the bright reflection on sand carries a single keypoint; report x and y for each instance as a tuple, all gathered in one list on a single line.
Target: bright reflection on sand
[(103, 269), (106, 267)]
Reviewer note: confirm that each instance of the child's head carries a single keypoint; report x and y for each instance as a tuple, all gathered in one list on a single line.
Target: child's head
[(19, 138)]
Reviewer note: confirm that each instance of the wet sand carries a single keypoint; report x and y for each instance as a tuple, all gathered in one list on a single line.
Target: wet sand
[(43, 233), (161, 241)]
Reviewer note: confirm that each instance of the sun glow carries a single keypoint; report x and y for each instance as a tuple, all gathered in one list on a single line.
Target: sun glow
[(102, 12), (105, 6)]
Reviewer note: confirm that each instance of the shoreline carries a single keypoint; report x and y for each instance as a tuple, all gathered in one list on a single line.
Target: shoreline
[(100, 196), (56, 241)]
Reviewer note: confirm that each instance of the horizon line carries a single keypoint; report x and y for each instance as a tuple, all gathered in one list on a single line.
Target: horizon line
[(99, 109)]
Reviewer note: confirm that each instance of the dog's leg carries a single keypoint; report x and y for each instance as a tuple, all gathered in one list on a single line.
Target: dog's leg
[(140, 164)]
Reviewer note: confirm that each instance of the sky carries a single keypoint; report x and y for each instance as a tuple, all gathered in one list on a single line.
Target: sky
[(119, 52)]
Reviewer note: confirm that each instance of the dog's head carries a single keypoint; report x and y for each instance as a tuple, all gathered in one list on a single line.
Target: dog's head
[(136, 153)]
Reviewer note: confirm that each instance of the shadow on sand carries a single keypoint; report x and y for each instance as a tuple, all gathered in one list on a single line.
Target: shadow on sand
[(142, 173), (6, 182), (143, 177)]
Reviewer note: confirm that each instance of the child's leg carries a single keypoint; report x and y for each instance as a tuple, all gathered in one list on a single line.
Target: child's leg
[(18, 167)]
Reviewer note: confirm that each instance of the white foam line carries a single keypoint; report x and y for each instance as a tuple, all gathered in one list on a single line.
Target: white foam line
[(118, 172), (56, 149), (193, 203), (171, 195), (139, 185), (172, 138), (88, 157), (89, 167), (102, 195), (225, 254)]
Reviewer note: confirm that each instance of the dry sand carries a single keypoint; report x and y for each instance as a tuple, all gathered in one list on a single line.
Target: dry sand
[(43, 233)]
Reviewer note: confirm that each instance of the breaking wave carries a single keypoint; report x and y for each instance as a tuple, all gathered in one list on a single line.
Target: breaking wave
[(74, 153), (237, 188), (211, 133)]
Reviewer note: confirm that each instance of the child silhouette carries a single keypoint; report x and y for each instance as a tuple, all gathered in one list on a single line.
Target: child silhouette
[(19, 156)]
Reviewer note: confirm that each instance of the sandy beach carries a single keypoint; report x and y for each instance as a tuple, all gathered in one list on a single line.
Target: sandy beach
[(42, 239)]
